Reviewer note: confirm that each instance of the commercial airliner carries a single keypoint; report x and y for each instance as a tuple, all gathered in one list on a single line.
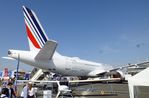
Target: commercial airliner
[(43, 53)]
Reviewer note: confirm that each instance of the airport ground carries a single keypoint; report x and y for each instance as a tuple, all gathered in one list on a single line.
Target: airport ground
[(101, 90)]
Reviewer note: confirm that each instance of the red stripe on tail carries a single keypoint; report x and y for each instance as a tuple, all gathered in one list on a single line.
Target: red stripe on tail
[(32, 38)]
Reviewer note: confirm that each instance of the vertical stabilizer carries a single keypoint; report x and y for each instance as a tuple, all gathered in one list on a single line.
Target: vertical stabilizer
[(35, 33)]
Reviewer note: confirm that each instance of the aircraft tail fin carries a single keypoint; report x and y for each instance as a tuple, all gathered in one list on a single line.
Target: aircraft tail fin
[(36, 34)]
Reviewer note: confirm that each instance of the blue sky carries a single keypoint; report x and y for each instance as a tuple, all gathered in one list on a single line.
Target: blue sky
[(114, 32)]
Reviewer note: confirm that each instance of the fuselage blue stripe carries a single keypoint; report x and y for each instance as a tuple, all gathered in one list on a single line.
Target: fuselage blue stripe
[(33, 26), (37, 25)]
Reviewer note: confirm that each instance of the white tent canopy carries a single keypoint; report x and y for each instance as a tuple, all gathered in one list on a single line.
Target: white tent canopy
[(140, 79)]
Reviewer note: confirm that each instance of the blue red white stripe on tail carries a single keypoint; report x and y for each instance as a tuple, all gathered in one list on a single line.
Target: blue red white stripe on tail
[(34, 29)]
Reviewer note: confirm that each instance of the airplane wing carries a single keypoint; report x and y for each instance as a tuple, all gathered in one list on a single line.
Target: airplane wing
[(98, 80), (36, 81), (47, 51), (73, 81)]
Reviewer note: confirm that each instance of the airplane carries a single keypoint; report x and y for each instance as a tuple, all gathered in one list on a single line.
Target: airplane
[(43, 53), (63, 89)]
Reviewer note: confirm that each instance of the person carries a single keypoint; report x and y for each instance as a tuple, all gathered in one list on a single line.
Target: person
[(0, 89), (4, 92), (28, 91), (31, 91), (24, 92), (11, 91)]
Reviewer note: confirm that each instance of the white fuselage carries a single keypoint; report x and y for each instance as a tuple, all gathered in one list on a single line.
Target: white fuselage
[(42, 52), (68, 66)]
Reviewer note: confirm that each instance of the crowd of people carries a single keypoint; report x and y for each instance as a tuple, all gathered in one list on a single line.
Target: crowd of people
[(9, 91)]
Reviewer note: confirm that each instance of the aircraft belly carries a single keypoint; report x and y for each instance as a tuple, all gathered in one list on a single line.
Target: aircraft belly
[(72, 72), (69, 71), (75, 70)]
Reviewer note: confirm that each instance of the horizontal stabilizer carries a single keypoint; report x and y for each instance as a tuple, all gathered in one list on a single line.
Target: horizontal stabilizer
[(47, 51), (9, 58)]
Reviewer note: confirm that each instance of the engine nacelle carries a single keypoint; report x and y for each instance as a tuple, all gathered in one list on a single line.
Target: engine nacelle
[(117, 74)]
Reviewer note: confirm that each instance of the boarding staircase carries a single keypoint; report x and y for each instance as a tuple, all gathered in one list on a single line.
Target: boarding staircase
[(39, 74)]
